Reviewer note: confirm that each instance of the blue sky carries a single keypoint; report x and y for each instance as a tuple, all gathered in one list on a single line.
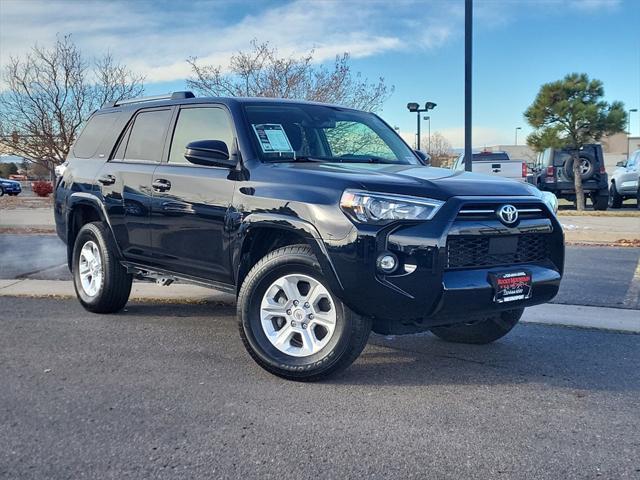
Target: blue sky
[(415, 46)]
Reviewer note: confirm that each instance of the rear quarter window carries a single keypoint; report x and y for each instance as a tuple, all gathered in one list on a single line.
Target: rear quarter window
[(93, 134)]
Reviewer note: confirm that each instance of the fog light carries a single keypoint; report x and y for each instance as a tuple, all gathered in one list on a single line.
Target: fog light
[(387, 262)]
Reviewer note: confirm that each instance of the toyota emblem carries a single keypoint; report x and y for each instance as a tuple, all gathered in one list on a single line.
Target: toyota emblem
[(508, 214)]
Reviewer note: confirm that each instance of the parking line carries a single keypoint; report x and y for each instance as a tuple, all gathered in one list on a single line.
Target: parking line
[(632, 298)]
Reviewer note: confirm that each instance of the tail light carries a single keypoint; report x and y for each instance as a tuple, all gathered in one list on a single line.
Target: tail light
[(602, 169), (551, 174), (524, 170)]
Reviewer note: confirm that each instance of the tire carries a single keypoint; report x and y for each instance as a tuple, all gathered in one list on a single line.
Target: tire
[(615, 199), (112, 284), (586, 164), (600, 200), (480, 332), (262, 297), (1, 192)]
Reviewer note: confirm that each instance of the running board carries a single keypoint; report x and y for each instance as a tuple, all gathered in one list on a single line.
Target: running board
[(166, 278)]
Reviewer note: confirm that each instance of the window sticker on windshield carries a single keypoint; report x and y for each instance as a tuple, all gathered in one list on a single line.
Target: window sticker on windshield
[(272, 137)]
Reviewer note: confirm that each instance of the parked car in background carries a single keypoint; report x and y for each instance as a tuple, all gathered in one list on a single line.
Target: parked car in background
[(495, 163), (554, 173), (10, 187), (625, 181)]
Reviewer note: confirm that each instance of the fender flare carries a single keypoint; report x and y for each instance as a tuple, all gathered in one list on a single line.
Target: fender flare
[(75, 200), (296, 225)]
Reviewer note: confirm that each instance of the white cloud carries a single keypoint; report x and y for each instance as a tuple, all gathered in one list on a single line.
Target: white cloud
[(156, 39)]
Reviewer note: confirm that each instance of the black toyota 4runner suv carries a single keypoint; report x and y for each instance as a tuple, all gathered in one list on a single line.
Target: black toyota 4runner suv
[(320, 218)]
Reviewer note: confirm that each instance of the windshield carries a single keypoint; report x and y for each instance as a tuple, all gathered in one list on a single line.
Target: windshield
[(300, 132)]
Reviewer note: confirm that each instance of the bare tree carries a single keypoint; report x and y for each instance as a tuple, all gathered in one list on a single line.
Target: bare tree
[(50, 93), (261, 72), (440, 148)]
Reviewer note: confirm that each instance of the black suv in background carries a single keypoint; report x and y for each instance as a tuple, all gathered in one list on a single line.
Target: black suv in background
[(320, 218), (554, 173)]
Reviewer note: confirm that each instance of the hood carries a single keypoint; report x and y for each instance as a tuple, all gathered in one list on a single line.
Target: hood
[(6, 180), (439, 183)]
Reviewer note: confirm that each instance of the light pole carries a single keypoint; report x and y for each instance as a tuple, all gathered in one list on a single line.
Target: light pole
[(428, 119), (517, 128), (468, 57), (631, 110), (415, 107)]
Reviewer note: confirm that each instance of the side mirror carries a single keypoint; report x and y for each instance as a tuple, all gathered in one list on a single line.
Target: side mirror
[(424, 157), (210, 153), (621, 164)]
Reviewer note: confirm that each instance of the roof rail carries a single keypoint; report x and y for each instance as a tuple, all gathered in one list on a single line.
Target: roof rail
[(168, 96)]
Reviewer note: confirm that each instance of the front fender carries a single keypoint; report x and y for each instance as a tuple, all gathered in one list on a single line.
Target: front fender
[(300, 227)]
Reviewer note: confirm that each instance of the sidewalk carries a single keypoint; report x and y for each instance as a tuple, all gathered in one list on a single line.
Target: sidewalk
[(615, 319), (599, 229)]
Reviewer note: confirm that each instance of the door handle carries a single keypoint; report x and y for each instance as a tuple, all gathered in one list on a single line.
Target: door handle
[(107, 180), (161, 185)]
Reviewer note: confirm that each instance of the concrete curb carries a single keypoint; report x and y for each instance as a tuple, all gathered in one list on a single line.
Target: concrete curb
[(602, 318)]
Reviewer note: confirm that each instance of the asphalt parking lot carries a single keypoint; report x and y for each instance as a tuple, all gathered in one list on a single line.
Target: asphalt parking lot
[(167, 391)]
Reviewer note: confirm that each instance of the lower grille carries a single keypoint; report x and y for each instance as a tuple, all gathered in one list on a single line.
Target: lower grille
[(477, 251)]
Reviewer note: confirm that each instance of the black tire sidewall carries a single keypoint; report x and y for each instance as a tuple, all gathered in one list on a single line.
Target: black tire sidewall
[(88, 234), (261, 347)]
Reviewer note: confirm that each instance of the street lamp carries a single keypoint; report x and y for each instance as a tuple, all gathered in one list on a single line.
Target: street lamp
[(428, 119), (517, 128), (631, 110), (415, 107)]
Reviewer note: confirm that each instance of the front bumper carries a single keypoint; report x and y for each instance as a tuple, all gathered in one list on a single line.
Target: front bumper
[(434, 290)]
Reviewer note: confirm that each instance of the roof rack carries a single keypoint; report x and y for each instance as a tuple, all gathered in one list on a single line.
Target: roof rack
[(168, 96)]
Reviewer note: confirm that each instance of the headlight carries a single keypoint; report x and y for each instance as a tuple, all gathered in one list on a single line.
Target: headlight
[(378, 208), (5, 184), (550, 200)]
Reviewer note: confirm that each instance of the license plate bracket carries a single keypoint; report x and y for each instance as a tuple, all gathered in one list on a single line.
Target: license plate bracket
[(511, 286)]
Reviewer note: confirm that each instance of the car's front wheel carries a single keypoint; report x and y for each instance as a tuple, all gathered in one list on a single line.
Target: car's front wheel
[(615, 199), (291, 323), (102, 284), (482, 331)]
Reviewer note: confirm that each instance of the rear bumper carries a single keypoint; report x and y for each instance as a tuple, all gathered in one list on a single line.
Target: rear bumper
[(435, 293), (13, 188)]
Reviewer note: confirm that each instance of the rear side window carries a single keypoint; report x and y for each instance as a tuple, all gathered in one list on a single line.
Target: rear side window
[(146, 139), (93, 134), (199, 124)]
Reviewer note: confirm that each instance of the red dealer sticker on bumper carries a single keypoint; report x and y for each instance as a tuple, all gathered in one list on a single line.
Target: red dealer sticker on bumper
[(511, 286)]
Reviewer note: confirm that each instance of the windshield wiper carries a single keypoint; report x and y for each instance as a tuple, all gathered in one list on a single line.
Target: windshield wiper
[(298, 158), (365, 159)]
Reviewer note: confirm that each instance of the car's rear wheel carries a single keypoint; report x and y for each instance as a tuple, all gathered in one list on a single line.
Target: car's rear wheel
[(102, 284), (615, 199), (482, 331), (291, 323)]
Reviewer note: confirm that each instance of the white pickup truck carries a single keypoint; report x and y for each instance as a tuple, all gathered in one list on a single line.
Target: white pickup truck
[(495, 163)]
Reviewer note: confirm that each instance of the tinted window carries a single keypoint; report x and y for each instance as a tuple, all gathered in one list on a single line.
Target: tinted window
[(199, 124), (93, 134), (147, 136)]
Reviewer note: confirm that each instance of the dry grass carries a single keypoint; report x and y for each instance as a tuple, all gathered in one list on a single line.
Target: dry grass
[(606, 213)]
